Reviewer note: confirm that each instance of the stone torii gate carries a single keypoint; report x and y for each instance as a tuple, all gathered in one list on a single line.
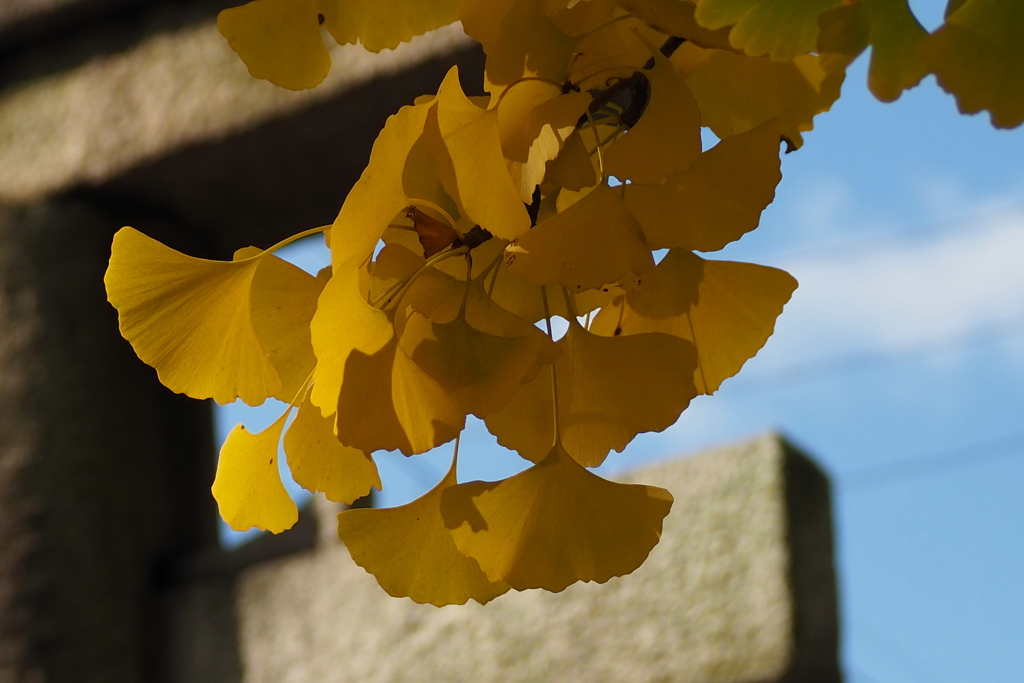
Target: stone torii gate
[(124, 112)]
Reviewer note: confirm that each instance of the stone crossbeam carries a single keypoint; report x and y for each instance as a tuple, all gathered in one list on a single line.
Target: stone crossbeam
[(741, 589)]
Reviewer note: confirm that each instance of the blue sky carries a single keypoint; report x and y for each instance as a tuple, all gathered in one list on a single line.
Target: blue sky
[(904, 224)]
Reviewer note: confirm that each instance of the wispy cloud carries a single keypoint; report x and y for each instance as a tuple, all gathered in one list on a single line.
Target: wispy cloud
[(903, 290)]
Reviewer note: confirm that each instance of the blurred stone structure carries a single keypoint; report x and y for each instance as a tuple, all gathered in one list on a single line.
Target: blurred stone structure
[(135, 112), (741, 589)]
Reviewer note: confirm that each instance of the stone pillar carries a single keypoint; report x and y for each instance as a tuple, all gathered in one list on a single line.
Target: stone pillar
[(104, 474), (117, 113)]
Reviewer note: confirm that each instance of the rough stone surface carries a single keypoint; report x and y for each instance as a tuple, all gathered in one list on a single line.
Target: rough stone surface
[(740, 589), (88, 124), (103, 473), (264, 183)]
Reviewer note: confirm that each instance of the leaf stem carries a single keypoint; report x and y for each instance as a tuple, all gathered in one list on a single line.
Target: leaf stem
[(469, 281), (524, 79), (597, 141), (391, 294), (614, 135), (494, 280), (554, 374), (569, 307), (288, 240), (603, 26), (431, 205)]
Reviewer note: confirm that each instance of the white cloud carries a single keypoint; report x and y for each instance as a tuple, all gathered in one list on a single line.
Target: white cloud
[(823, 207), (901, 292)]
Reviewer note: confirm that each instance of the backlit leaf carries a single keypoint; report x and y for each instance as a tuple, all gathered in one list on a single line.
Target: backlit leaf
[(191, 319), (526, 424), (666, 138), (381, 399), (534, 119), (318, 462), (896, 37), (555, 524), (977, 57), (675, 18), (479, 369), (783, 29), (573, 168), (379, 195), (248, 486), (519, 38), (283, 300), (715, 201), (616, 388), (344, 323), (411, 553), (609, 390), (383, 24), (737, 93), (594, 242), (278, 40), (487, 194), (726, 309)]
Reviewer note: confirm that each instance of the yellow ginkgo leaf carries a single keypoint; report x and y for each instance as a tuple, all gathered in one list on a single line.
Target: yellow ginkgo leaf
[(283, 300), (486, 191), (411, 553), (726, 309), (343, 324), (610, 52), (383, 24), (534, 120), (675, 18), (576, 17), (387, 402), (609, 390), (783, 29), (897, 48), (519, 38), (737, 93), (555, 524), (573, 168), (897, 40), (594, 242), (278, 40), (523, 299), (400, 275), (248, 486), (318, 462), (381, 399), (977, 57), (379, 195), (526, 423), (429, 174), (394, 265), (191, 319), (715, 201), (435, 294), (667, 136), (482, 20), (478, 368)]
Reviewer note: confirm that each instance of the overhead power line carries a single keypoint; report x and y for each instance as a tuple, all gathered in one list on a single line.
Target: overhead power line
[(855, 674), (910, 663), (873, 359), (932, 464)]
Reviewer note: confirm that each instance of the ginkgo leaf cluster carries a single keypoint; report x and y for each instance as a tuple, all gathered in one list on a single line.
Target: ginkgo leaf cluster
[(579, 187)]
